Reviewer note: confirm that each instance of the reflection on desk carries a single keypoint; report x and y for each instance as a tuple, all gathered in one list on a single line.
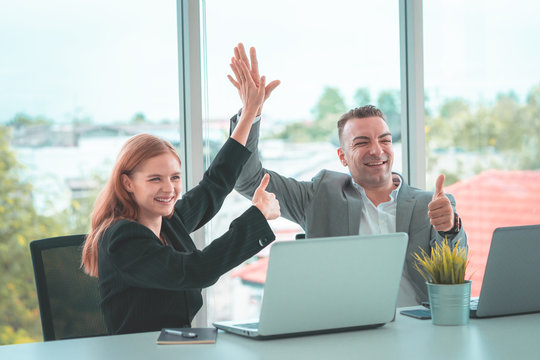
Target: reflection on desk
[(510, 337)]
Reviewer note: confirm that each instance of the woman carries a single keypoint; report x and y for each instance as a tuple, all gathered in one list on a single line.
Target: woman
[(149, 271)]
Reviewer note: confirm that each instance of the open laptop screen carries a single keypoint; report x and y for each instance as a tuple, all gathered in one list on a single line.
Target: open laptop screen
[(511, 283), (331, 283)]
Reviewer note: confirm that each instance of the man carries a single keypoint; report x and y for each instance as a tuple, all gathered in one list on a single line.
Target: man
[(371, 200)]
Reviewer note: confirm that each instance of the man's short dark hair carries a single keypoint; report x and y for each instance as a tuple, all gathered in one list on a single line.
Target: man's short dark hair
[(357, 113)]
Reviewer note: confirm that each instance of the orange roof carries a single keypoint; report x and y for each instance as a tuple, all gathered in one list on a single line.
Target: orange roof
[(254, 272), (493, 199), (486, 201)]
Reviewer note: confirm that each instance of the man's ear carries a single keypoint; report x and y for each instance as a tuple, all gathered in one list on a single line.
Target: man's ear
[(341, 155), (126, 181)]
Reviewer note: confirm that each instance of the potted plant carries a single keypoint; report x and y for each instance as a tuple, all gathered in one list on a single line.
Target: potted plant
[(449, 292)]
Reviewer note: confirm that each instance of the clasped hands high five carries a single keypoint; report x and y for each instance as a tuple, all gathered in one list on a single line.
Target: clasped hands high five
[(253, 92), (247, 75)]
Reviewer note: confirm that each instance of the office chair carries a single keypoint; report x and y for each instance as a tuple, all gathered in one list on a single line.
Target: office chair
[(68, 298)]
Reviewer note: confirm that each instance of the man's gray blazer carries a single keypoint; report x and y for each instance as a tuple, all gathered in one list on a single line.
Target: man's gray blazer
[(330, 205)]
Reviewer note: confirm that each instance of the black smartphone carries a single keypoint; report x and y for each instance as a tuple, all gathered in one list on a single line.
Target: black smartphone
[(422, 314)]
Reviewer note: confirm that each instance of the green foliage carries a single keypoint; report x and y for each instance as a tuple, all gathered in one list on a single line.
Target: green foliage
[(445, 264), (18, 306), (329, 108), (362, 97), (139, 118), (331, 102), (25, 120), (327, 111), (507, 128), (19, 224), (389, 102)]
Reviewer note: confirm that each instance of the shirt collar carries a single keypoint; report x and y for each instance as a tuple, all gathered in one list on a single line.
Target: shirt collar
[(396, 179)]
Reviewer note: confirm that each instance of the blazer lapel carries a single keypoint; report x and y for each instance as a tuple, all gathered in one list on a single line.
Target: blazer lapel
[(354, 203), (404, 209)]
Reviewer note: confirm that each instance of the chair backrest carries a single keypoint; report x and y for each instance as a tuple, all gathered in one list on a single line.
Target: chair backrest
[(68, 298)]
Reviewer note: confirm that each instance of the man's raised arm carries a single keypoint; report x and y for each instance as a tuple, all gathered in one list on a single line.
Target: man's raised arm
[(293, 195)]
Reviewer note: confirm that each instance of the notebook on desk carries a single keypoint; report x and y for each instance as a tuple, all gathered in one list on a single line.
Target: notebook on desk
[(511, 283), (327, 285)]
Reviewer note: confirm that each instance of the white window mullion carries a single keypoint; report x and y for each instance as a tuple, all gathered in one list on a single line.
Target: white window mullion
[(412, 92), (189, 73)]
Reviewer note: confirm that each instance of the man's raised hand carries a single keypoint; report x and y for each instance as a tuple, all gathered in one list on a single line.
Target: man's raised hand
[(253, 66)]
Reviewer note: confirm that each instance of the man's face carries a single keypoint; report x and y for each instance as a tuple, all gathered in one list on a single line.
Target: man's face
[(367, 151)]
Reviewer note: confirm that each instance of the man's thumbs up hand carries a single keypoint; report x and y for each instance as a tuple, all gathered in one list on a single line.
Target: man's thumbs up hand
[(439, 187), (440, 212)]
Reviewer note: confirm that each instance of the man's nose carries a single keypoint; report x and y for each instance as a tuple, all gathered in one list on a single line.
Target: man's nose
[(375, 148)]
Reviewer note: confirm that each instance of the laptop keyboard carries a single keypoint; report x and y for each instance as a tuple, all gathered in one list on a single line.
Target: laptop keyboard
[(249, 326)]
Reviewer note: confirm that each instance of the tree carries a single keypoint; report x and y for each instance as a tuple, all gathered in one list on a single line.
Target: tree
[(531, 125), (327, 111), (19, 224), (454, 107), (362, 97), (389, 103), (25, 120), (330, 103), (503, 135), (139, 118)]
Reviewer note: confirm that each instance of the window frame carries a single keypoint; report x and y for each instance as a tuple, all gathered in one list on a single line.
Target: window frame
[(190, 48), (190, 111)]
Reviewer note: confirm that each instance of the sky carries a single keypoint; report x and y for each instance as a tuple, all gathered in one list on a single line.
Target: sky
[(108, 60)]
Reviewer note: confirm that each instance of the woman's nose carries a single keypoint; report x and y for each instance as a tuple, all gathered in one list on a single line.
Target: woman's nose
[(167, 186)]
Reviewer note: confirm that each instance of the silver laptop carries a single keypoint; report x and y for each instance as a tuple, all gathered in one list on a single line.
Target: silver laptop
[(327, 285), (511, 283)]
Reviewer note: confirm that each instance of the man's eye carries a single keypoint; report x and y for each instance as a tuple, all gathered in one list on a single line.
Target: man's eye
[(154, 179), (176, 177)]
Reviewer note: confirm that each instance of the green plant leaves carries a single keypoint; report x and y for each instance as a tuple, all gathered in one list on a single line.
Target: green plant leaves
[(445, 264)]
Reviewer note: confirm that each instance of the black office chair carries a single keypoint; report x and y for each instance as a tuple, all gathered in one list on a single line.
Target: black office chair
[(68, 298)]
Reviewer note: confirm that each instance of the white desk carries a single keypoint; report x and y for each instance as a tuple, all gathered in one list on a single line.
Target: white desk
[(511, 337)]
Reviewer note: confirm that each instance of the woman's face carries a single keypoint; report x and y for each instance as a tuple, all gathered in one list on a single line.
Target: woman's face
[(155, 185)]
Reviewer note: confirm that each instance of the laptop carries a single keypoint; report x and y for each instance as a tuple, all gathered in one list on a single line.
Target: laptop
[(511, 283), (327, 285)]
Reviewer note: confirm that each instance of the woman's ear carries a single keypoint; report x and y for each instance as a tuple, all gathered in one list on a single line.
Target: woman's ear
[(126, 181)]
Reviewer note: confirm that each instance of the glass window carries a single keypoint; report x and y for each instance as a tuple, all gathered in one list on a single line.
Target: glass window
[(483, 114), (76, 80), (330, 57)]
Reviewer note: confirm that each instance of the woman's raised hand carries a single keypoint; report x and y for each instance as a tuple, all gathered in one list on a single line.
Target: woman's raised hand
[(251, 92), (266, 202)]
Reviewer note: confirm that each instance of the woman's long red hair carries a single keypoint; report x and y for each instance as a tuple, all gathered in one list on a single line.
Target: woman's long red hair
[(114, 202)]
